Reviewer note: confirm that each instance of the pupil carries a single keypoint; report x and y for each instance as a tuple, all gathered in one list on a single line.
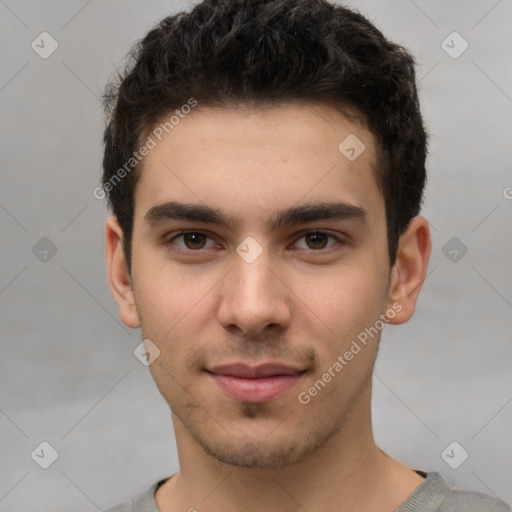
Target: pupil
[(317, 238), (193, 239)]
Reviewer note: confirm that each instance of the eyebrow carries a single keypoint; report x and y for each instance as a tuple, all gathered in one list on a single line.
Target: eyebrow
[(301, 214)]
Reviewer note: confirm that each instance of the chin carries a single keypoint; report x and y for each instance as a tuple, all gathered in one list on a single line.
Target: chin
[(264, 450), (261, 456)]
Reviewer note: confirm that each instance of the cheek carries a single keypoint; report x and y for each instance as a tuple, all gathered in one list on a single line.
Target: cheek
[(165, 294), (345, 298)]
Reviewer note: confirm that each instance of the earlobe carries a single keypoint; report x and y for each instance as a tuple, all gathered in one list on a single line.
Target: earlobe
[(410, 269), (118, 276)]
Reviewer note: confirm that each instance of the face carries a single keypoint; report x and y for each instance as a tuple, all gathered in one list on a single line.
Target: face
[(283, 265)]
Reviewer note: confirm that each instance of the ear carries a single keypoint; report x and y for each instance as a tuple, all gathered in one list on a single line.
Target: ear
[(118, 276), (409, 270)]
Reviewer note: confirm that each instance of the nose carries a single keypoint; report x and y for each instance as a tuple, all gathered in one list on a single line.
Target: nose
[(254, 298)]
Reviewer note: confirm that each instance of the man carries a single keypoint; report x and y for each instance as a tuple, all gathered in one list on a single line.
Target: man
[(265, 164)]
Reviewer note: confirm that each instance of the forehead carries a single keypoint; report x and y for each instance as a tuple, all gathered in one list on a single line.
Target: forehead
[(249, 161)]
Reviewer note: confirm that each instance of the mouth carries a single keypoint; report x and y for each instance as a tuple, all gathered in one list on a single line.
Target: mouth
[(255, 384)]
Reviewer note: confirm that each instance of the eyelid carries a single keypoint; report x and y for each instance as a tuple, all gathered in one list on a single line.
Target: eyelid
[(301, 234), (297, 236), (168, 240)]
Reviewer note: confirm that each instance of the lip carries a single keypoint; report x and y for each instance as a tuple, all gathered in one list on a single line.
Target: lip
[(253, 372), (256, 384)]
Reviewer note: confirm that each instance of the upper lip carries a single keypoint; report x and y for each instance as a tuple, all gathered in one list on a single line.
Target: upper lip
[(253, 372)]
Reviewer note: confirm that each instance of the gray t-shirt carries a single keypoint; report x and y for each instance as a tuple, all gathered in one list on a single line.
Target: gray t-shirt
[(433, 495)]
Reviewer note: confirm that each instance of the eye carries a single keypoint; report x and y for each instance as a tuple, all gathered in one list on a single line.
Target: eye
[(195, 241), (191, 240), (317, 240)]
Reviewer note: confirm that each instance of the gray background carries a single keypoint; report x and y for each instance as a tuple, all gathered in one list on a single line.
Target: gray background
[(67, 372)]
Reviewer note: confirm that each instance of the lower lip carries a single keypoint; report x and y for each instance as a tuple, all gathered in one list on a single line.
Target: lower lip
[(256, 390)]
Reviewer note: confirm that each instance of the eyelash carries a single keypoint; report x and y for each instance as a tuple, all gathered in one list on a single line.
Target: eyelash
[(188, 252)]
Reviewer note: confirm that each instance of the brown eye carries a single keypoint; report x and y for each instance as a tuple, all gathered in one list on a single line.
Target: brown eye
[(191, 241), (317, 240), (194, 240)]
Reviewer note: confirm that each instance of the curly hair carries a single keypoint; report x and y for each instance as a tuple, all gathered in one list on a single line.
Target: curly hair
[(264, 52)]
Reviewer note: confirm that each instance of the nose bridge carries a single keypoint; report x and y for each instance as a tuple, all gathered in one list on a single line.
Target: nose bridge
[(253, 279), (253, 297)]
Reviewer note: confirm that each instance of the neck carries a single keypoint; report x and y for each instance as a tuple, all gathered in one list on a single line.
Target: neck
[(350, 472)]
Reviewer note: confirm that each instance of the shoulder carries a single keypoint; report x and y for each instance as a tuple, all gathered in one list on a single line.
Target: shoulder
[(466, 501), (435, 495), (145, 502)]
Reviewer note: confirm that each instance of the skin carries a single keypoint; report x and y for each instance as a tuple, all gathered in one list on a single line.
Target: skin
[(301, 302)]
